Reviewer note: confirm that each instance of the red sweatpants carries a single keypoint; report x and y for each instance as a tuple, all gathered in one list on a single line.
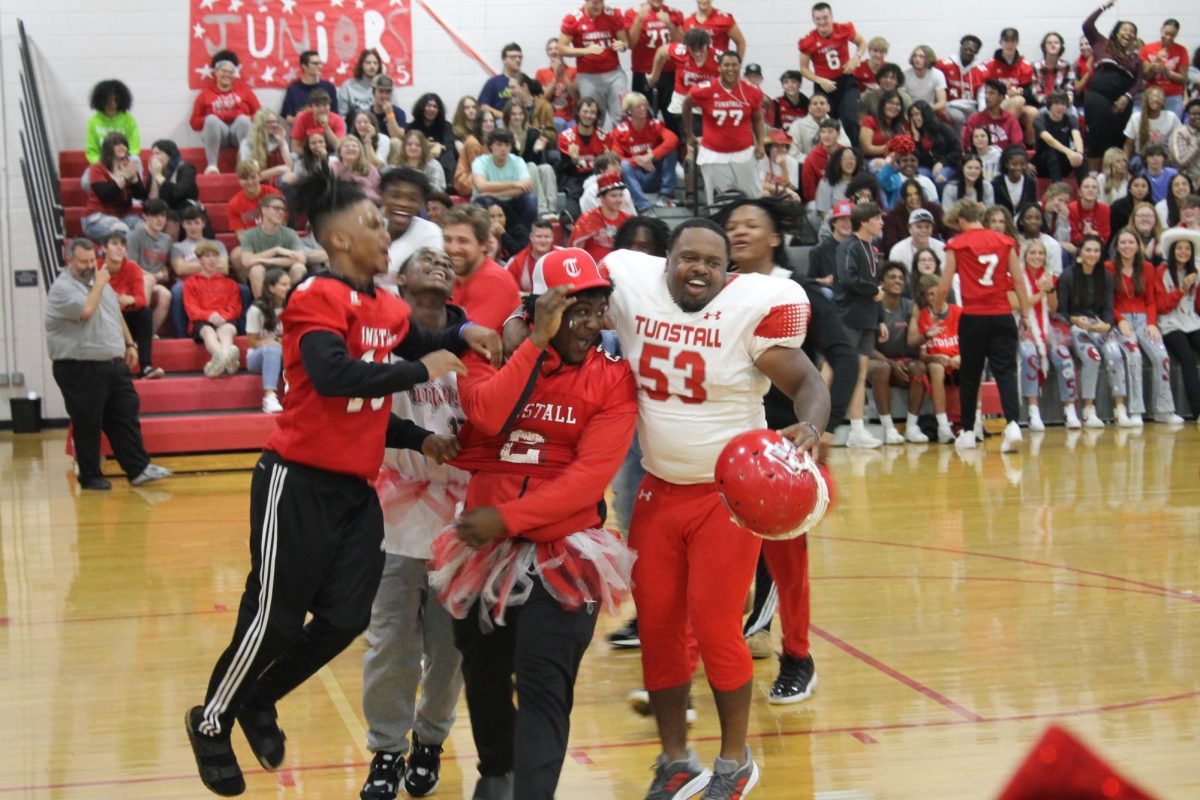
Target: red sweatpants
[(788, 563), (694, 566)]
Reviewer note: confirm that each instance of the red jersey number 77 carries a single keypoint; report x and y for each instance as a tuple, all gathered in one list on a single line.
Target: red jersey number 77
[(685, 365)]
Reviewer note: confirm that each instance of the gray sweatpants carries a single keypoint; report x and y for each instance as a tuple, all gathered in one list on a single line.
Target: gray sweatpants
[(607, 89), (1160, 367), (407, 622), (216, 134), (1092, 349)]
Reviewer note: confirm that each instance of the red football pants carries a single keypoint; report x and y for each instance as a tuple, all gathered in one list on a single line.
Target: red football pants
[(694, 566), (788, 563)]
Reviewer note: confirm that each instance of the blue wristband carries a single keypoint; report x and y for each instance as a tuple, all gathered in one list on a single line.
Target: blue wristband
[(464, 326)]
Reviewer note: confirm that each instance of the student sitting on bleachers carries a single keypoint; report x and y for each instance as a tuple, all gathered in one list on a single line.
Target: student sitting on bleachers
[(184, 262), (318, 116), (244, 211), (114, 182), (125, 278), (150, 246), (935, 334), (111, 101), (213, 304), (222, 111), (1044, 338), (264, 331), (270, 244), (172, 179), (267, 145)]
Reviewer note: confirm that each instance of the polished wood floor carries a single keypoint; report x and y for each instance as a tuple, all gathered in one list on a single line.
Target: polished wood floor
[(959, 607)]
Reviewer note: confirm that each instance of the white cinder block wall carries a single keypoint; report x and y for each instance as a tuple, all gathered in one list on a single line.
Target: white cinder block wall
[(144, 43)]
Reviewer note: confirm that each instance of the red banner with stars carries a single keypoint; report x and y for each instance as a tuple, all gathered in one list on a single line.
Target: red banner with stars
[(269, 36)]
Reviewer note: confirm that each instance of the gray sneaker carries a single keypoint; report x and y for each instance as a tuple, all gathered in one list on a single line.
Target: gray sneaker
[(494, 787), (678, 779), (732, 781), (152, 472)]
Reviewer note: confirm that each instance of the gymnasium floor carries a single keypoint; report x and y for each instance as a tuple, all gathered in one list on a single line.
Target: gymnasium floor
[(960, 606)]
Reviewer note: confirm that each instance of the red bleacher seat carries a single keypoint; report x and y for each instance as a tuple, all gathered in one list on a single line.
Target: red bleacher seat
[(213, 189), (72, 163)]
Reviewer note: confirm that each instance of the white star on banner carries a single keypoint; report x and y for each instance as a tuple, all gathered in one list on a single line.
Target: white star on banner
[(289, 6), (234, 5), (198, 31), (268, 74), (396, 3), (342, 67), (359, 4), (262, 9), (205, 72), (290, 75), (207, 4), (336, 3)]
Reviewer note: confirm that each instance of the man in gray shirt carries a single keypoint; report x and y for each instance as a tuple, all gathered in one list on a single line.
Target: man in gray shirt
[(92, 354)]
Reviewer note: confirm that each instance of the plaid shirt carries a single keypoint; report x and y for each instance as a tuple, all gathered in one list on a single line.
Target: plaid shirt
[(1048, 79)]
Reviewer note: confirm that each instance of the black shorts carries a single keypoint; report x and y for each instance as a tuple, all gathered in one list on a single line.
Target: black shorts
[(863, 342), (197, 327)]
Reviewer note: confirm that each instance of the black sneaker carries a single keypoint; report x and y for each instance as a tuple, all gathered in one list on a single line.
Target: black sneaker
[(215, 760), (424, 768), (797, 680), (263, 734), (626, 637), (95, 484), (383, 781)]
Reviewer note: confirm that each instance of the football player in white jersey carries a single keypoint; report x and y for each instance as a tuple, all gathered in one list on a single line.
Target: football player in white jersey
[(704, 347)]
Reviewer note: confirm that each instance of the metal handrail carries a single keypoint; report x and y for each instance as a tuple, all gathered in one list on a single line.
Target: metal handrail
[(39, 172)]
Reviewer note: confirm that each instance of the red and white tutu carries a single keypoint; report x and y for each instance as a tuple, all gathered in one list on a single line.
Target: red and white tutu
[(589, 566)]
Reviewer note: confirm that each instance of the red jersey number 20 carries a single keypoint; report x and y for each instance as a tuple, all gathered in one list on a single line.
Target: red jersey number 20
[(685, 365)]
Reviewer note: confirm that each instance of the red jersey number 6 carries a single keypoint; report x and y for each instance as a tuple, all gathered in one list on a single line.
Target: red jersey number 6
[(656, 382)]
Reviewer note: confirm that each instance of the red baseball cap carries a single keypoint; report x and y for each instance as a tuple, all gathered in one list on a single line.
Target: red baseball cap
[(608, 183), (569, 265), (842, 208)]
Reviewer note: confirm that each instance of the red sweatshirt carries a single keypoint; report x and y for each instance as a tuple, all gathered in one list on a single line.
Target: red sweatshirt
[(812, 170), (1097, 216), (1126, 302), (655, 138), (1169, 300), (127, 279), (545, 464), (225, 106), (489, 295), (597, 233), (205, 294)]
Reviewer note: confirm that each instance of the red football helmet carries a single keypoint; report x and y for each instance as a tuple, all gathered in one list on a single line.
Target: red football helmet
[(769, 487)]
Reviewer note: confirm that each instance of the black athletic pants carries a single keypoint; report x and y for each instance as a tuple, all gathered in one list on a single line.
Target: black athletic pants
[(315, 540), (99, 396), (1054, 165), (992, 338), (1183, 348), (843, 105), (141, 328), (659, 94), (542, 644)]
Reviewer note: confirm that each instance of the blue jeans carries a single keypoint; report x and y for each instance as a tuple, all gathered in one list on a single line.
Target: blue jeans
[(1175, 105), (267, 359), (947, 174), (179, 320), (662, 180)]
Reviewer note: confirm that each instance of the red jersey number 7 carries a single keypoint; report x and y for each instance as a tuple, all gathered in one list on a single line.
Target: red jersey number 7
[(689, 366)]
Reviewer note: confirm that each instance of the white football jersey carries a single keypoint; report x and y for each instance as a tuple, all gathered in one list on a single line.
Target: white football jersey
[(697, 383), (418, 496)]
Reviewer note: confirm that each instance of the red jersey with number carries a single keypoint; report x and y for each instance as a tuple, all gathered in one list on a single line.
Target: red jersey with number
[(864, 73), (655, 34), (981, 256), (339, 434), (687, 72), (595, 145), (1017, 74), (654, 138), (1174, 58), (718, 24), (585, 31), (945, 341), (831, 53), (728, 114), (784, 112), (962, 83)]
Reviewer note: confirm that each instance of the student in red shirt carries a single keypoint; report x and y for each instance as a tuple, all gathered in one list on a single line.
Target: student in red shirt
[(128, 281), (544, 436), (813, 168), (481, 286), (1009, 67), (826, 61), (244, 206), (722, 27), (935, 335), (693, 61), (792, 104), (595, 36), (649, 152), (213, 304), (579, 147), (652, 25), (318, 116), (558, 86), (987, 265), (877, 51), (1135, 308), (596, 229), (315, 521), (222, 112), (520, 266), (1003, 127), (734, 137), (1088, 214), (1165, 65), (964, 76)]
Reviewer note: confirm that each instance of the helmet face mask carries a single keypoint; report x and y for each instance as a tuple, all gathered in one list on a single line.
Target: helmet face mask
[(769, 487)]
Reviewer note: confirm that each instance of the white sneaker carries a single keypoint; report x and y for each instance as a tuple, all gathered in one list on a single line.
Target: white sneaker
[(946, 436), (271, 404), (1035, 420), (979, 434), (862, 439), (1123, 418), (965, 440), (892, 436), (1168, 419), (233, 359), (215, 365), (1091, 419), (1072, 418), (1012, 437), (913, 434), (1136, 419)]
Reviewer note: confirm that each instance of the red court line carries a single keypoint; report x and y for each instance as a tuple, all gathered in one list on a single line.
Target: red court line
[(896, 674), (850, 729), (865, 738), (1182, 595)]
